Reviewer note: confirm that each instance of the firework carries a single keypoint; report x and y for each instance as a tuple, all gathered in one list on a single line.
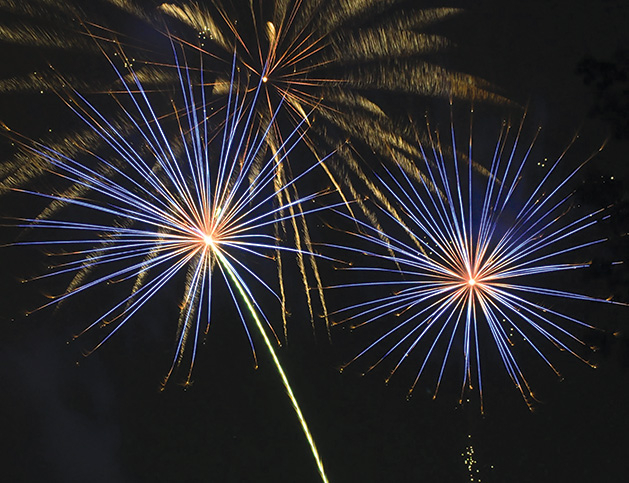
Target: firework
[(174, 205), (474, 255)]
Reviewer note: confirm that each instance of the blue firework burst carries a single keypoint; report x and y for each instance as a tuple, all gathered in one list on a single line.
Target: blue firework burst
[(173, 205), (472, 243)]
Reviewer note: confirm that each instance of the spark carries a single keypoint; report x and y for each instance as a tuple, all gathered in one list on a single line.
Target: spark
[(185, 199), (472, 254)]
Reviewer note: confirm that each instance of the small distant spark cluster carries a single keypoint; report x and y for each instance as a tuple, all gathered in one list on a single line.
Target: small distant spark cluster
[(471, 463), (468, 458), (473, 250)]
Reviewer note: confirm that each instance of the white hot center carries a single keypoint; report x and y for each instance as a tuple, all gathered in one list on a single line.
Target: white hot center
[(209, 241)]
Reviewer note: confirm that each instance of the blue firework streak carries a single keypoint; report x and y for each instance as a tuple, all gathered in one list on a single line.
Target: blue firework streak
[(178, 210), (472, 245)]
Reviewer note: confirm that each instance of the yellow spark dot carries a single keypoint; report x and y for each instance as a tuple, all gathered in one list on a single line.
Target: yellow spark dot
[(265, 79)]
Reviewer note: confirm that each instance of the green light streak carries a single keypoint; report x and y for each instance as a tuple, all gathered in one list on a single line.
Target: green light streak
[(230, 271)]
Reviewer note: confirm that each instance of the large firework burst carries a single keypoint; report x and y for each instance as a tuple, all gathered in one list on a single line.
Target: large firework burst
[(169, 197), (475, 255)]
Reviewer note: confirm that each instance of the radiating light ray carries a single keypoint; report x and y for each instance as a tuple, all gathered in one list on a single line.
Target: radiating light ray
[(469, 256), (177, 209)]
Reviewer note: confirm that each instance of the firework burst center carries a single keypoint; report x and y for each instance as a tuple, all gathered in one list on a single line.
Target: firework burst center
[(208, 239)]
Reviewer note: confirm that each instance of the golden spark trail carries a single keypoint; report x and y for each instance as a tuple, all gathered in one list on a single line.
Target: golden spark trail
[(304, 426)]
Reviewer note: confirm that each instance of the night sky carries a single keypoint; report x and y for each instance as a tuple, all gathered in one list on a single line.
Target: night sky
[(103, 418)]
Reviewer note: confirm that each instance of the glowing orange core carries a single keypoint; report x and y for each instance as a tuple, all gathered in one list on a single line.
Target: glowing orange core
[(264, 79), (471, 282), (209, 241)]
